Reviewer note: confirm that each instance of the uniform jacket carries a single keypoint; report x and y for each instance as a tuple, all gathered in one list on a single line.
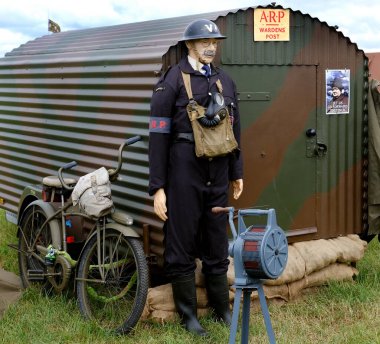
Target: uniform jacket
[(168, 111)]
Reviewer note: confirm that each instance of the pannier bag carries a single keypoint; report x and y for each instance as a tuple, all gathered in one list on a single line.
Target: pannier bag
[(93, 193)]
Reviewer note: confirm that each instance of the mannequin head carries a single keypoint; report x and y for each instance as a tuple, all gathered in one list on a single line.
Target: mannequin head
[(201, 38), (202, 50)]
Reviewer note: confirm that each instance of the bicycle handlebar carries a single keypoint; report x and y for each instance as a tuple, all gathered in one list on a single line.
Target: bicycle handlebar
[(128, 142), (111, 172), (69, 165), (66, 167)]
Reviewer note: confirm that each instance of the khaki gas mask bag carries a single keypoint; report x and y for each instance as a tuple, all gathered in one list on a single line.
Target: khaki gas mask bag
[(210, 141)]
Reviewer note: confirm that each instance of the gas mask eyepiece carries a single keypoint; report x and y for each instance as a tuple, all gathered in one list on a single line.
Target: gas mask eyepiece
[(216, 106), (216, 111)]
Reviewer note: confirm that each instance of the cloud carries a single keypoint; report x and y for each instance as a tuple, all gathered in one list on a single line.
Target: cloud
[(23, 20), (29, 19), (8, 39), (356, 19)]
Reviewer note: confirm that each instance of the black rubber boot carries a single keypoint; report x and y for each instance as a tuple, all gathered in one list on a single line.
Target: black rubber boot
[(218, 297), (185, 300)]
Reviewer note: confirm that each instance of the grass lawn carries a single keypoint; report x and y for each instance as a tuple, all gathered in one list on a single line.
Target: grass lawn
[(337, 313)]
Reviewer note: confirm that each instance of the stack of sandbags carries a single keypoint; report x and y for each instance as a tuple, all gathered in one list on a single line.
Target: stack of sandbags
[(160, 305), (310, 263), (316, 262)]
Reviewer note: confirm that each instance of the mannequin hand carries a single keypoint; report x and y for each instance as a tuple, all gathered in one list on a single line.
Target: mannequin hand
[(160, 204), (238, 187)]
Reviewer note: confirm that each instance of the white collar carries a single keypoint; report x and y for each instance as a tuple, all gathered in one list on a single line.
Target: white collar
[(194, 63)]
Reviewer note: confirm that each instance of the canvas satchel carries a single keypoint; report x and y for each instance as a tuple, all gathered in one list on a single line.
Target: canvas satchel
[(210, 142), (93, 193)]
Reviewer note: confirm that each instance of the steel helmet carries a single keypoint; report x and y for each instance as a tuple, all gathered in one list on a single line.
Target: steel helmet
[(201, 28)]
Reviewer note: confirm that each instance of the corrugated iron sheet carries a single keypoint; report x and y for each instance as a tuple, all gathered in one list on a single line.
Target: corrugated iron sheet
[(77, 95), (341, 176)]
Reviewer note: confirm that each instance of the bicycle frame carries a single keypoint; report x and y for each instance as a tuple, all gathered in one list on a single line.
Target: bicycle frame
[(111, 273)]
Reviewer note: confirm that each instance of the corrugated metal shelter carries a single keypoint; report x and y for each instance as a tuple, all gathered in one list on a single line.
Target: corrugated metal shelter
[(76, 95)]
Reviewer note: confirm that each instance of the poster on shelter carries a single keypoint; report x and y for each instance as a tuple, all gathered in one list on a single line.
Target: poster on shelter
[(337, 91)]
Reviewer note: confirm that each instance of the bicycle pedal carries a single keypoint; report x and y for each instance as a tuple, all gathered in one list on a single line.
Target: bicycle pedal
[(36, 275)]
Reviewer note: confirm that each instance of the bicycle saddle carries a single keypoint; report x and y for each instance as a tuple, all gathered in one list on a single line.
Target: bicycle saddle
[(53, 181)]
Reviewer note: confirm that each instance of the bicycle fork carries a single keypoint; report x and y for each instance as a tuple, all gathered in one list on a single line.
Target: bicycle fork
[(100, 238)]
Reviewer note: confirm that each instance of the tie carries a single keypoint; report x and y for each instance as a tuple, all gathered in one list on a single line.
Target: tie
[(207, 69)]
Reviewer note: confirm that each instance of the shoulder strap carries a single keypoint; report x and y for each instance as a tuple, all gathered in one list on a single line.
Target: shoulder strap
[(219, 85), (186, 81)]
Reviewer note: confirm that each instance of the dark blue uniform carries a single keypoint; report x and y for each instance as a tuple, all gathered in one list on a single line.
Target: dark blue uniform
[(193, 186)]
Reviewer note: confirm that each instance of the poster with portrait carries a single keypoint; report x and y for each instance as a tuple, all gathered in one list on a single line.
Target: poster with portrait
[(337, 91)]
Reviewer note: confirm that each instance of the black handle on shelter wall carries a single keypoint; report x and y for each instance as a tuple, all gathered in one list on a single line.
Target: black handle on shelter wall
[(311, 132), (320, 149)]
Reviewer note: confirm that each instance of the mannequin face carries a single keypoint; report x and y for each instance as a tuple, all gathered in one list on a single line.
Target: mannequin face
[(203, 50)]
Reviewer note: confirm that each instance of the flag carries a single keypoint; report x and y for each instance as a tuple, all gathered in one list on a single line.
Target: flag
[(53, 27)]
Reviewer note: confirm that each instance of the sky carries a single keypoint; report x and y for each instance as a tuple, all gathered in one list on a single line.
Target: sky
[(25, 20)]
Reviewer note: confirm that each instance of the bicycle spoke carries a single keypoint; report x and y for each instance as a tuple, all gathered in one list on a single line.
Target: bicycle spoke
[(118, 302), (34, 231)]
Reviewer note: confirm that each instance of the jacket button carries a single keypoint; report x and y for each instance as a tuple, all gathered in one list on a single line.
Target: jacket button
[(209, 159), (208, 183)]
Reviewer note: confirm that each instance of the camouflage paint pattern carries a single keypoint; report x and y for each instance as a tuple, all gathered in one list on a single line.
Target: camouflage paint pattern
[(322, 194), (77, 95)]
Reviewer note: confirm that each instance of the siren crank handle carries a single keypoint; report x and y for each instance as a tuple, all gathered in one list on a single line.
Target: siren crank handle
[(231, 211), (217, 210)]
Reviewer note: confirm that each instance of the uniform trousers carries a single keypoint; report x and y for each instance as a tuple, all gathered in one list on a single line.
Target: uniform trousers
[(195, 186)]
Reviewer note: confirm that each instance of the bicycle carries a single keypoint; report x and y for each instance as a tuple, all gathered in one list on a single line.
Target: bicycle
[(104, 254)]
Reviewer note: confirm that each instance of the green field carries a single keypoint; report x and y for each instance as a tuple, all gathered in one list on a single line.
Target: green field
[(337, 313)]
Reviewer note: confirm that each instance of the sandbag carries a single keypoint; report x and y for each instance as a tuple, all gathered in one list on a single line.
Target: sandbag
[(295, 288), (161, 298), (276, 291), (349, 248), (295, 268), (317, 254), (310, 264), (334, 272)]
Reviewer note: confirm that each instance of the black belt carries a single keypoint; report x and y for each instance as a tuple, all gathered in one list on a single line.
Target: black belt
[(183, 137)]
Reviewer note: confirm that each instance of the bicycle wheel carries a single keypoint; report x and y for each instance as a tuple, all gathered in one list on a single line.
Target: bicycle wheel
[(31, 235), (112, 288)]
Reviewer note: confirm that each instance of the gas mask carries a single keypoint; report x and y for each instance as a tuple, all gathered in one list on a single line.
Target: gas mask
[(216, 111)]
